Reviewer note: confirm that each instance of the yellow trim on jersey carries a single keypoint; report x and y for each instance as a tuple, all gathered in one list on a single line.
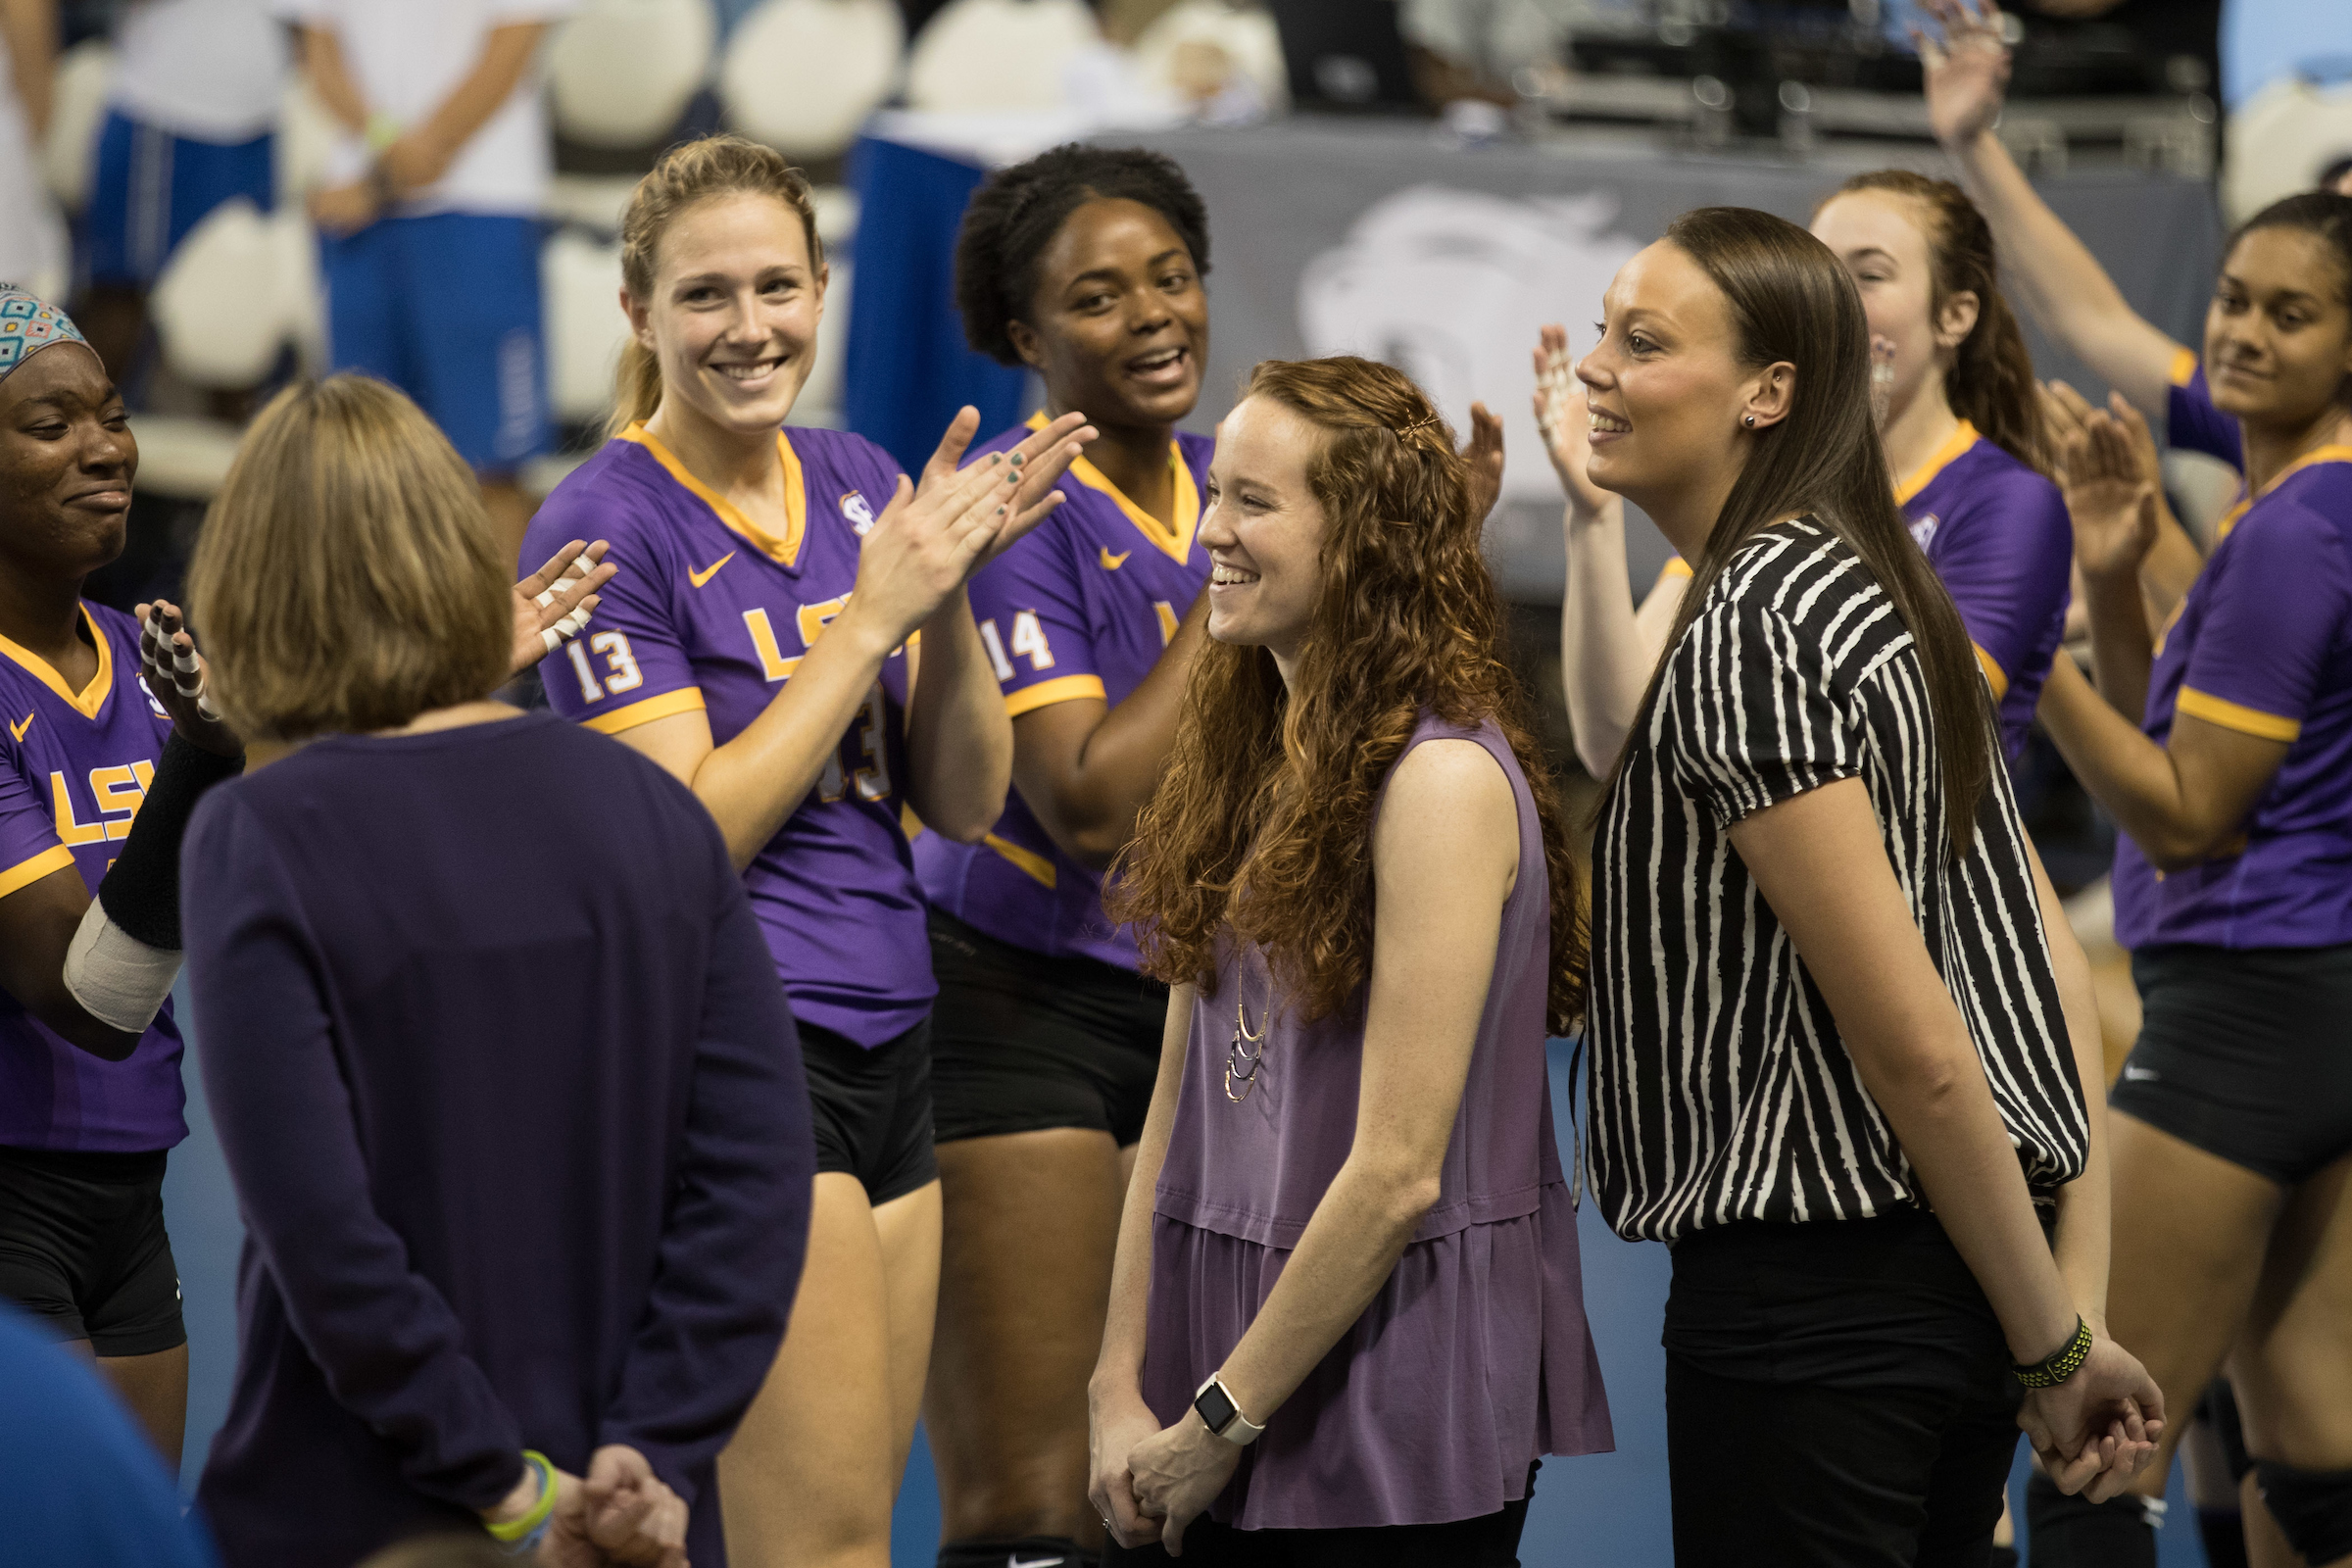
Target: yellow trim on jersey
[(1993, 673), (1045, 692), (1175, 543), (2245, 503), (1029, 860), (2232, 715), (2184, 367), (56, 858), (1676, 566), (1945, 456), (685, 700), (795, 496), (93, 696)]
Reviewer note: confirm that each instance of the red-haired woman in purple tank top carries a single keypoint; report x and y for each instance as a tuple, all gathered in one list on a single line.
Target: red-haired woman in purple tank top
[(1345, 1318)]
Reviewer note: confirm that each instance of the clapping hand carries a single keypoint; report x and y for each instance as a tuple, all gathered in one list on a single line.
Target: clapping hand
[(176, 676), (2098, 1429), (1566, 424), (553, 604), (933, 536), (2110, 493), (1483, 455), (1966, 70)]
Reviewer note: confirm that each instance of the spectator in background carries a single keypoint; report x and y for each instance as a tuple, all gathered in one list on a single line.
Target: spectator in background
[(85, 1486), (30, 247), (430, 240), (189, 126)]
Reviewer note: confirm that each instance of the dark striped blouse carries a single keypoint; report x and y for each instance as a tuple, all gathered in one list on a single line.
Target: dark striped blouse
[(1720, 1089)]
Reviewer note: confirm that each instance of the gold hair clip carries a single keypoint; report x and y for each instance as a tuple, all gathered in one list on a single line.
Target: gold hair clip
[(1418, 424)]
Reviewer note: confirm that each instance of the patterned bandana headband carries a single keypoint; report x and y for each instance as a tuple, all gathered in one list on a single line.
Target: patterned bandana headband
[(27, 326)]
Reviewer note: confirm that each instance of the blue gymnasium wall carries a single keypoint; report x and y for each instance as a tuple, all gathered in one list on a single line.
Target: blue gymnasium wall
[(1600, 1512)]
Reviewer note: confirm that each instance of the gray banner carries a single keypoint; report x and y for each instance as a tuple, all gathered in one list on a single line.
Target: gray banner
[(1385, 239)]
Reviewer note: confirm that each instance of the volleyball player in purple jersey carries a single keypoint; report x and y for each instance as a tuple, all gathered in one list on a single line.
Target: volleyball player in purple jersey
[(761, 643), (2216, 739), (97, 779), (1084, 263), (1962, 431)]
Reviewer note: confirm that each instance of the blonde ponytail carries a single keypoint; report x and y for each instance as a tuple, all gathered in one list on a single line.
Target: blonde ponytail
[(689, 172)]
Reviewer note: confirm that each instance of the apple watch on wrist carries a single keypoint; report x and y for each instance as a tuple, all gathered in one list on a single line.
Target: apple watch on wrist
[(1222, 1413)]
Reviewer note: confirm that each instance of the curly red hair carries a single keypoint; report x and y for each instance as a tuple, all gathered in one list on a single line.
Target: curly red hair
[(1263, 820)]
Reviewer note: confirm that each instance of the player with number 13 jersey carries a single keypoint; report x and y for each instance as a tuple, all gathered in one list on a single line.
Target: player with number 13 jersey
[(711, 612), (789, 637)]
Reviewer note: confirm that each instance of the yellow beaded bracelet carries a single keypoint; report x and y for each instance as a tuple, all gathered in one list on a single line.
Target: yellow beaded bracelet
[(517, 1529)]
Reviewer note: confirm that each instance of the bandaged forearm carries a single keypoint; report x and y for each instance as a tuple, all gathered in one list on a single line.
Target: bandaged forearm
[(121, 961), (119, 980)]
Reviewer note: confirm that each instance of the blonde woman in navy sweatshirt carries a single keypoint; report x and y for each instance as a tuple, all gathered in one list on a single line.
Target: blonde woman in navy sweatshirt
[(510, 1092)]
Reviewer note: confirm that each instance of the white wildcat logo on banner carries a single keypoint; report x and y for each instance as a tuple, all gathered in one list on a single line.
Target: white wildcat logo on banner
[(1450, 286)]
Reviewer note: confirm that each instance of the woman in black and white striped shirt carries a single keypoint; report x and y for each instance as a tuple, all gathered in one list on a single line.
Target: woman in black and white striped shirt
[(1839, 1028)]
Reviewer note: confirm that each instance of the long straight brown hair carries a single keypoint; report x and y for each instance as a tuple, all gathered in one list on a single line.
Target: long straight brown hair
[(1791, 300)]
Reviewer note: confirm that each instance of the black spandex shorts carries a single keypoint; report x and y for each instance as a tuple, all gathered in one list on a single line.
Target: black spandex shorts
[(1023, 1042), (82, 1248), (2245, 1053), (871, 1109)]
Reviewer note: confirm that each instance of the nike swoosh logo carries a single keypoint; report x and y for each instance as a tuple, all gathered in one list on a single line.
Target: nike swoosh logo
[(1111, 562), (17, 730), (697, 579), (1037, 1562)]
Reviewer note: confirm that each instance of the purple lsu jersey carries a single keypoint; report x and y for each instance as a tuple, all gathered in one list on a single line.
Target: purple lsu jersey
[(2192, 423), (76, 768), (2262, 644), (712, 611), (1083, 607), (1998, 535)]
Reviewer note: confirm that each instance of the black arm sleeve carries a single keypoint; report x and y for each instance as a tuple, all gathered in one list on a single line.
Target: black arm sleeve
[(142, 890)]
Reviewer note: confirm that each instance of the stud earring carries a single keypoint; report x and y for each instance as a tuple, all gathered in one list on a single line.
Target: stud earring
[(1750, 421)]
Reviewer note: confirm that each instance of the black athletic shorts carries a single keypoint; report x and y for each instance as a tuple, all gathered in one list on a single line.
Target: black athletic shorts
[(82, 1248), (871, 1109), (2245, 1053), (1022, 1042)]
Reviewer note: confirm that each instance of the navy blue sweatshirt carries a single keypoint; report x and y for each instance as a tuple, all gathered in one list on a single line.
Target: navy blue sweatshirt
[(516, 1116)]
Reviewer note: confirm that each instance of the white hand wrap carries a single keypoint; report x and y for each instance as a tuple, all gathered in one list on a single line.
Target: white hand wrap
[(119, 980)]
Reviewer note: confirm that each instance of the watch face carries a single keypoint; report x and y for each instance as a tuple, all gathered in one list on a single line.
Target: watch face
[(1216, 1410)]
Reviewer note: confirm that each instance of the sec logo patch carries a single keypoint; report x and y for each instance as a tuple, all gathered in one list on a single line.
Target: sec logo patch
[(860, 516), (1922, 530)]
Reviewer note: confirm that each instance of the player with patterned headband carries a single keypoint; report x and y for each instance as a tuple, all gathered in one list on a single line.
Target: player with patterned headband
[(789, 636), (1085, 264), (97, 778)]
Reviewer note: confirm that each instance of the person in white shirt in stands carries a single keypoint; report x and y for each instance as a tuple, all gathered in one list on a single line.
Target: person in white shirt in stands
[(189, 126), (429, 222), (31, 242)]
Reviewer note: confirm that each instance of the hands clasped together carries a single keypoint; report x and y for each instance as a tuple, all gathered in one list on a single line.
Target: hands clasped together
[(1148, 1482), (619, 1513)]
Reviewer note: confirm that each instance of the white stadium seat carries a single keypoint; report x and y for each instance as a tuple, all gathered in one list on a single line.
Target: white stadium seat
[(183, 457), (982, 54), (579, 278), (620, 72), (801, 75), (202, 304), (1246, 37), (2281, 144), (86, 75)]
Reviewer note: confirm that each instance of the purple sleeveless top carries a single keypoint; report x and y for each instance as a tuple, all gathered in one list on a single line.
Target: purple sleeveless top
[(1474, 1358)]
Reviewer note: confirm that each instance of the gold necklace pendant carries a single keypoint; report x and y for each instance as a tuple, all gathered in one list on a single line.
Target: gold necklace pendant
[(1240, 1065)]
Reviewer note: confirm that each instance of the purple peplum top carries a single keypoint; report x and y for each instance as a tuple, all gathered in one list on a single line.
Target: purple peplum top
[(1474, 1360)]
